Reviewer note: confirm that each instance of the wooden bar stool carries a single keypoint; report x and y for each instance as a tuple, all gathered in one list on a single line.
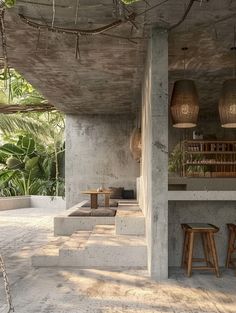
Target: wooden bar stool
[(231, 261), (206, 232)]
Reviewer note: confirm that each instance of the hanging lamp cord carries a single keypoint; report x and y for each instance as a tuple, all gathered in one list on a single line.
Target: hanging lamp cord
[(234, 51), (184, 49)]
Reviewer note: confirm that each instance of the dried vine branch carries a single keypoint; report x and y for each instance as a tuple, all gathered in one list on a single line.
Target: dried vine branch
[(19, 108), (4, 40), (78, 32), (7, 285)]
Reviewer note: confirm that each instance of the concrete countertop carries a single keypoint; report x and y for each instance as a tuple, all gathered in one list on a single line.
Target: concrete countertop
[(202, 184), (202, 195)]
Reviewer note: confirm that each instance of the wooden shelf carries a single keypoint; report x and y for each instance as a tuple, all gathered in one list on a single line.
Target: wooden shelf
[(199, 159)]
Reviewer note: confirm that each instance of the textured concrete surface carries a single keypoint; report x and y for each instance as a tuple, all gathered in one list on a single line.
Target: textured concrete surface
[(130, 222), (67, 225), (202, 196), (107, 78), (105, 250), (191, 184), (97, 153), (12, 203), (154, 168), (94, 291)]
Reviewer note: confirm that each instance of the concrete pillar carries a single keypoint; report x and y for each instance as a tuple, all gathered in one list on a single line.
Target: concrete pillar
[(154, 167), (159, 107)]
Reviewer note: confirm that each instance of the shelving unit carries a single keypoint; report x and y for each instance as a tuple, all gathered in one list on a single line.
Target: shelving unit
[(208, 158)]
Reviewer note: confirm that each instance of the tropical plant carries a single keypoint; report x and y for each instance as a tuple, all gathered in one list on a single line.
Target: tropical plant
[(7, 3), (32, 159), (14, 89), (175, 159), (27, 169)]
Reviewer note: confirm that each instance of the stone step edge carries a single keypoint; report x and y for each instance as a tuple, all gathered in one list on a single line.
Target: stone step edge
[(81, 240)]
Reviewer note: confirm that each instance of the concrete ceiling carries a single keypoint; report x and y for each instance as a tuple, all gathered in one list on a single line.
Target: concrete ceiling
[(107, 78)]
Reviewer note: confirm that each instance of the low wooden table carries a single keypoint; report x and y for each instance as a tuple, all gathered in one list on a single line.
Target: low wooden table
[(94, 197)]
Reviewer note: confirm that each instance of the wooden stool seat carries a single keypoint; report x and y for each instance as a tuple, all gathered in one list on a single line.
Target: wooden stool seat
[(231, 261), (206, 232)]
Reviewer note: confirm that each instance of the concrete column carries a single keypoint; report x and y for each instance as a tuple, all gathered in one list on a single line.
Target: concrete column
[(154, 167), (159, 107)]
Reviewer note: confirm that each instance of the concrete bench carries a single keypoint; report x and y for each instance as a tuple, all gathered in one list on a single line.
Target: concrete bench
[(65, 225)]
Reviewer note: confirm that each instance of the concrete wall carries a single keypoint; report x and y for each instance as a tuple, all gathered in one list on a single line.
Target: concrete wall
[(215, 212), (153, 183), (48, 202), (97, 153), (13, 203)]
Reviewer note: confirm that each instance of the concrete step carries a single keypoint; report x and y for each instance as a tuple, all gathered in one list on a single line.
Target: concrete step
[(127, 202), (100, 248), (77, 240), (48, 255), (104, 249), (130, 223), (129, 205)]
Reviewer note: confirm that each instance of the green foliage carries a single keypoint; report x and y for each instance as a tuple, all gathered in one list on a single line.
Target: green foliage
[(9, 3), (11, 149), (32, 161), (175, 159), (14, 89)]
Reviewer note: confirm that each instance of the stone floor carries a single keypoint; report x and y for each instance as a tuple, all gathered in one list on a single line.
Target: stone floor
[(53, 290)]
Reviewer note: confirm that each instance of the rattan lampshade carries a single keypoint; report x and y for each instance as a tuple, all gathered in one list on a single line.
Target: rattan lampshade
[(227, 104), (135, 144), (184, 104)]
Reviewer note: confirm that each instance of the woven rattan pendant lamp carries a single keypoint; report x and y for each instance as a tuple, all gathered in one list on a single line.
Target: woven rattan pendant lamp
[(227, 103), (184, 102)]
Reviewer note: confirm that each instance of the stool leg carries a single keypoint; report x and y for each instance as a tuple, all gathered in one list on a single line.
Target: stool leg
[(214, 254), (190, 254), (205, 248), (232, 248), (210, 251), (184, 249), (230, 244)]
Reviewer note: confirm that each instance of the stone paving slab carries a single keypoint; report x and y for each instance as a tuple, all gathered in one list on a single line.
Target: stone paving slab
[(68, 290)]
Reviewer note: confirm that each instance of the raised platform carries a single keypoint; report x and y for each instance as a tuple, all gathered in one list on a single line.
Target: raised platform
[(130, 222), (65, 225), (101, 248), (97, 242)]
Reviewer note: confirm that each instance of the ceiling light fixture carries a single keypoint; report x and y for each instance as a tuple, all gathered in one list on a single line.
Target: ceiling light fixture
[(184, 102), (227, 102)]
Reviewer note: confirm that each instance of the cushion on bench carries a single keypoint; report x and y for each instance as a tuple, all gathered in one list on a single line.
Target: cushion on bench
[(81, 212), (103, 212), (113, 204), (116, 192), (93, 212)]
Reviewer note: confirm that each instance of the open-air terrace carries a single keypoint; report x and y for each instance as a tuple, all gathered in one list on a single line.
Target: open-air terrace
[(95, 290), (118, 156)]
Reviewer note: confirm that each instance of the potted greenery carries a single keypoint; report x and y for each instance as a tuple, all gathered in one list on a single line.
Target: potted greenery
[(175, 160)]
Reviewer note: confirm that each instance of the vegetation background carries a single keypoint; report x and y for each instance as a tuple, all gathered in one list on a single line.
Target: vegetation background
[(32, 145)]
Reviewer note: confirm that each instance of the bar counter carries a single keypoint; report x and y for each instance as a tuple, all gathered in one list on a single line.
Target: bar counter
[(202, 195), (214, 207)]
